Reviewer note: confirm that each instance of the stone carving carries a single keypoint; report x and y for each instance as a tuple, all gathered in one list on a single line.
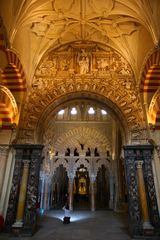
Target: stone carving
[(102, 64), (72, 163), (46, 88), (97, 139), (82, 20), (83, 61), (139, 135), (47, 68)]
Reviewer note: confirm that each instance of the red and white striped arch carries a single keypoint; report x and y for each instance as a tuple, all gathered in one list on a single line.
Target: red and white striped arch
[(12, 77), (150, 86)]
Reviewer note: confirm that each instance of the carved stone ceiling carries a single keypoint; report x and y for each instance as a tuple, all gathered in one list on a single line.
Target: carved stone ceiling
[(128, 30), (35, 26)]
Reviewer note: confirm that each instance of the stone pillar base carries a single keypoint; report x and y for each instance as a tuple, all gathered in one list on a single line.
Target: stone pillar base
[(17, 229), (148, 229), (111, 204), (17, 224)]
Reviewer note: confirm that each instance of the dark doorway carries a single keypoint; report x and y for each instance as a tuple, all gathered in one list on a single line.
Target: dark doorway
[(59, 188), (102, 194)]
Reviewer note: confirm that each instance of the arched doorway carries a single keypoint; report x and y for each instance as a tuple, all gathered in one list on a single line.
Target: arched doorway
[(59, 188), (102, 188), (84, 136), (81, 189)]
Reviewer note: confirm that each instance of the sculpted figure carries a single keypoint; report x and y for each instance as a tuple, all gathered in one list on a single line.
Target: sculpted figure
[(83, 61)]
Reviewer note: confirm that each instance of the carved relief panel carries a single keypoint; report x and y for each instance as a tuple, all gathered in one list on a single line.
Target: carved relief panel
[(81, 59)]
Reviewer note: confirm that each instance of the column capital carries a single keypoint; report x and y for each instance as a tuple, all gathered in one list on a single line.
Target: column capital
[(26, 162), (71, 176), (139, 163), (93, 178)]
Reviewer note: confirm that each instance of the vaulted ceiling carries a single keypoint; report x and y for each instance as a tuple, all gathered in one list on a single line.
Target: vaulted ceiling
[(31, 29)]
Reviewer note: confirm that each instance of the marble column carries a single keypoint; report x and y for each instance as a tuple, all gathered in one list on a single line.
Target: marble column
[(70, 190), (92, 185), (22, 195), (143, 197)]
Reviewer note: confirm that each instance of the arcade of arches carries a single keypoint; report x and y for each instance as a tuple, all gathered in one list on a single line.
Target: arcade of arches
[(80, 109)]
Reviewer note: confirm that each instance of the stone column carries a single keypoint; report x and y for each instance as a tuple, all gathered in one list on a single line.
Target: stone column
[(111, 191), (7, 182), (92, 185), (143, 197), (42, 193), (70, 189), (22, 195), (4, 150), (46, 193), (156, 171)]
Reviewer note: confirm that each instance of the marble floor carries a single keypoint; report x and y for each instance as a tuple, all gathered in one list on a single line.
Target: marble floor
[(85, 225)]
